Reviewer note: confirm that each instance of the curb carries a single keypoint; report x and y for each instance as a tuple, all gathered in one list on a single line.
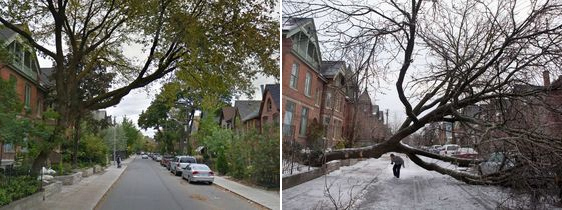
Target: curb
[(112, 184), (242, 196)]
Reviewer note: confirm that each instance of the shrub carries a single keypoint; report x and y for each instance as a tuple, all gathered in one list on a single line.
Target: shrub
[(14, 188)]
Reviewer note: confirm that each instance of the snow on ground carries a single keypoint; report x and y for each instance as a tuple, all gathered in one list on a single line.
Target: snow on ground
[(297, 168), (370, 184)]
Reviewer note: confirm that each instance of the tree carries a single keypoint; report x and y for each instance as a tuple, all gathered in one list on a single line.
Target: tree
[(448, 56), (90, 34)]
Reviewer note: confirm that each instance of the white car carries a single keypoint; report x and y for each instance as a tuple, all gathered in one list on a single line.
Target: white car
[(450, 149), (144, 156), (180, 162), (198, 173)]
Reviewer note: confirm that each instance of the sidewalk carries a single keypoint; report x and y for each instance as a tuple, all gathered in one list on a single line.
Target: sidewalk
[(87, 193), (263, 197)]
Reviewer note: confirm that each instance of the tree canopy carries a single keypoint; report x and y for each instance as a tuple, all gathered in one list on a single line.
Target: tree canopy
[(86, 40)]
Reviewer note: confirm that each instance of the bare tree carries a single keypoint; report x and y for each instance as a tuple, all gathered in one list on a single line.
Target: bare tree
[(451, 55)]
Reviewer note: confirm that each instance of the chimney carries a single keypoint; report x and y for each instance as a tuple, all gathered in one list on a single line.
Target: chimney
[(546, 78), (262, 87)]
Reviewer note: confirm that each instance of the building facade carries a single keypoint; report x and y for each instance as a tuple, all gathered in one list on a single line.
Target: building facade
[(23, 70)]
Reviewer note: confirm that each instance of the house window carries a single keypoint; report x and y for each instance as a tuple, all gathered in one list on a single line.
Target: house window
[(317, 97), (304, 121), (307, 83), (27, 95), (39, 107), (269, 105), (288, 118), (328, 100), (294, 76), (338, 103), (8, 148)]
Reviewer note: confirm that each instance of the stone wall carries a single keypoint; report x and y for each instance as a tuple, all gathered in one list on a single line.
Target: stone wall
[(70, 179), (294, 180)]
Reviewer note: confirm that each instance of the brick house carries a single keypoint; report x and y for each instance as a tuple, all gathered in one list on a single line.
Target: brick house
[(270, 104), (24, 70), (317, 91), (248, 114), (302, 83), (370, 126), (334, 105)]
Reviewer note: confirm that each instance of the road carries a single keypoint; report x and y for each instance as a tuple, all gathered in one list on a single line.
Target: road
[(147, 185)]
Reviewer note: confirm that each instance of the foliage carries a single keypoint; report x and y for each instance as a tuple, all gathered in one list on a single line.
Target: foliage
[(92, 150), (13, 188), (133, 135), (247, 155), (12, 127)]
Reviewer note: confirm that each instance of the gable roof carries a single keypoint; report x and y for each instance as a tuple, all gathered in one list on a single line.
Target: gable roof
[(228, 113), (248, 109), (274, 90), (45, 77), (330, 69)]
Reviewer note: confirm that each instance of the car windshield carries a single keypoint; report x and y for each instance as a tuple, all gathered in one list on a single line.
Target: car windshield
[(187, 160), (496, 157), (452, 147), (200, 167)]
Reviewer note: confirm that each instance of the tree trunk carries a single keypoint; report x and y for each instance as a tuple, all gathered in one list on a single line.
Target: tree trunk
[(76, 142)]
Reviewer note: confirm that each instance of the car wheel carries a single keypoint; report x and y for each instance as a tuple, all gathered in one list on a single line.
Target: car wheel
[(210, 183)]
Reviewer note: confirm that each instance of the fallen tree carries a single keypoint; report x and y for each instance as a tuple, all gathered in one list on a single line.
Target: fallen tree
[(451, 56)]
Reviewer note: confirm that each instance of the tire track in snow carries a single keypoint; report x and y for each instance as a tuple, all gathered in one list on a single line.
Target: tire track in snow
[(483, 202)]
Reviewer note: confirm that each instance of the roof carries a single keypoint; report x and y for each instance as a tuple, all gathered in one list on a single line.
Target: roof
[(6, 33), (274, 89), (292, 23), (329, 69), (45, 77), (228, 113), (365, 97), (248, 109)]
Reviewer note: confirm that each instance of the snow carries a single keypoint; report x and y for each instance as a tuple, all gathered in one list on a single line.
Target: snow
[(370, 184), (297, 168)]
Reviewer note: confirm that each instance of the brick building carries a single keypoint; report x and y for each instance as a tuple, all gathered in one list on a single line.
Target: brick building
[(303, 83), (317, 91), (23, 69)]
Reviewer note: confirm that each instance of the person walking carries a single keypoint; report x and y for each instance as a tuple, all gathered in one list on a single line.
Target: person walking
[(118, 161), (398, 162)]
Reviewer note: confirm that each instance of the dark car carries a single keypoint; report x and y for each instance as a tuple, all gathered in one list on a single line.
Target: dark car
[(166, 160)]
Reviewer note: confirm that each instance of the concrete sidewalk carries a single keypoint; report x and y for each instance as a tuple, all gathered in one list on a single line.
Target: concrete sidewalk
[(265, 198), (87, 193)]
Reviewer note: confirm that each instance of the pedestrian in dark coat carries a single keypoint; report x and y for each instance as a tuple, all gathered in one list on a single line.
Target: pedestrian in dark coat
[(398, 162), (118, 161)]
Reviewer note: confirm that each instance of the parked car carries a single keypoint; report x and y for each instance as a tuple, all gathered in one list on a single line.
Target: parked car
[(466, 153), (496, 162), (449, 149), (198, 173), (144, 156), (166, 160), (180, 162), (435, 149)]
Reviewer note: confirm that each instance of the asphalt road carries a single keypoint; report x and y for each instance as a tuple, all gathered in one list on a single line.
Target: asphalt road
[(147, 185)]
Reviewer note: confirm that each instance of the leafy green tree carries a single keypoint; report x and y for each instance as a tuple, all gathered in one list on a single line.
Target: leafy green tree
[(225, 37), (133, 135)]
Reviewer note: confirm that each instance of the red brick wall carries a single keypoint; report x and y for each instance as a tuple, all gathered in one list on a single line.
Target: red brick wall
[(36, 94), (297, 95), (268, 116)]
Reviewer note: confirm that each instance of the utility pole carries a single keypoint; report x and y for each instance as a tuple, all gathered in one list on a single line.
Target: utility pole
[(114, 139)]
